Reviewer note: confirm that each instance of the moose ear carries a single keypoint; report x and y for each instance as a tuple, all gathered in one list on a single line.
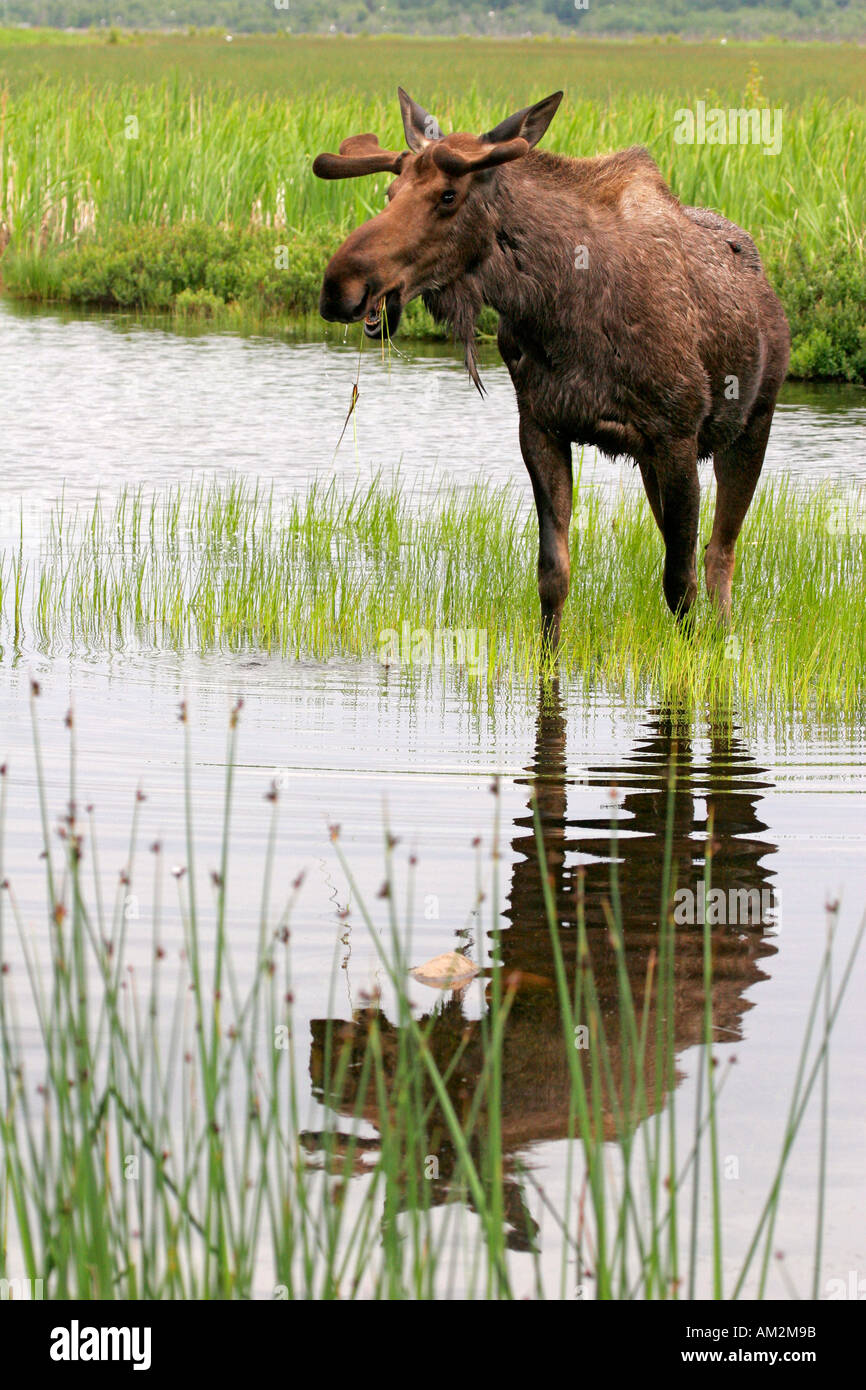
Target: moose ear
[(528, 124), (420, 127)]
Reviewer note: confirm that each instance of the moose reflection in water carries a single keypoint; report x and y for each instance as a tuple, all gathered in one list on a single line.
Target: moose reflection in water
[(715, 775)]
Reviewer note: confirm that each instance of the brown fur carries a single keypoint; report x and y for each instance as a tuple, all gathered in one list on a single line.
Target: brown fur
[(669, 346)]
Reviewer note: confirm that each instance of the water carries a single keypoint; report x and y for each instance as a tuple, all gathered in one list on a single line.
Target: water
[(89, 405)]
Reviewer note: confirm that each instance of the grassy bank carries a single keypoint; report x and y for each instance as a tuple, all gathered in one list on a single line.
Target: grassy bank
[(152, 1108), (228, 278), (336, 571), (193, 194)]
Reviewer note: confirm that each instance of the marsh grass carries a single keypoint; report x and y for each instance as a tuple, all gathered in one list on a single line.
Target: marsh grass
[(332, 572), (76, 159), (151, 1127), (196, 197)]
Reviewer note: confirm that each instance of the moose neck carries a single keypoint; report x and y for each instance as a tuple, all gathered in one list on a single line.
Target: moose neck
[(535, 227), (529, 223)]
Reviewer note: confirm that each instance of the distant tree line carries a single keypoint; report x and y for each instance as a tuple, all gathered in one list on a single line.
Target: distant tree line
[(689, 18)]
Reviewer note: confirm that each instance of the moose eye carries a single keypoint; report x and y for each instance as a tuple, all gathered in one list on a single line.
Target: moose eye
[(449, 198)]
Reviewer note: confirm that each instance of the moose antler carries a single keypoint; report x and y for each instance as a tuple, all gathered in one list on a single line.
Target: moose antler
[(359, 154)]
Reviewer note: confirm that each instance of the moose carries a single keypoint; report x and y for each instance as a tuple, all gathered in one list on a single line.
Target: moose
[(627, 321)]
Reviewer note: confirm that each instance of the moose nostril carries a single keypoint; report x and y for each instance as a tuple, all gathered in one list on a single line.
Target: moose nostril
[(358, 310), (343, 300)]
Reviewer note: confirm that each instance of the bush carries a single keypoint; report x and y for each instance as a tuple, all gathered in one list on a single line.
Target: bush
[(826, 308), (151, 268), (198, 270), (198, 304)]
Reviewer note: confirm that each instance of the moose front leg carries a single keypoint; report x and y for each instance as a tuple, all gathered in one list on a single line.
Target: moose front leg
[(676, 469), (548, 459)]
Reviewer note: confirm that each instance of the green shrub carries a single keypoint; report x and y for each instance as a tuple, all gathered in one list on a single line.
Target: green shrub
[(826, 307), (197, 270), (198, 304)]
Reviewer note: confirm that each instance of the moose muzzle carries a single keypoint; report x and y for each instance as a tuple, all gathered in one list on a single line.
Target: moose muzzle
[(347, 297)]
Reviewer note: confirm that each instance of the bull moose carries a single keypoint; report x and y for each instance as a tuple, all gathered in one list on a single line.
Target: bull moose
[(627, 321)]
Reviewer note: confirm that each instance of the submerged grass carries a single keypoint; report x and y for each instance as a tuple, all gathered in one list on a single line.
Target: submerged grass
[(415, 578), (151, 1128)]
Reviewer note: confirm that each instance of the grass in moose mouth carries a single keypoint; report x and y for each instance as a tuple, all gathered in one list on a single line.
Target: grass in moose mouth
[(336, 571)]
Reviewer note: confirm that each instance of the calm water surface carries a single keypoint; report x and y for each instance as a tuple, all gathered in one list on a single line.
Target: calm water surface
[(89, 404)]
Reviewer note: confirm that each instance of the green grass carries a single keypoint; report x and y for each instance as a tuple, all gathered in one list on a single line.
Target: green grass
[(512, 71), (69, 165), (141, 180), (152, 1136), (330, 573)]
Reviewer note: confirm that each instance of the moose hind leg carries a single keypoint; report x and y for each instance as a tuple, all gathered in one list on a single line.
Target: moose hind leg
[(676, 468), (548, 459), (737, 470)]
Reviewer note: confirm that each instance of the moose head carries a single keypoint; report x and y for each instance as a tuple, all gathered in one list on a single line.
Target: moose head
[(435, 224)]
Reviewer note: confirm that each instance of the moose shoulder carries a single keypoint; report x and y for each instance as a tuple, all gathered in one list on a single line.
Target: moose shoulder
[(626, 320)]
